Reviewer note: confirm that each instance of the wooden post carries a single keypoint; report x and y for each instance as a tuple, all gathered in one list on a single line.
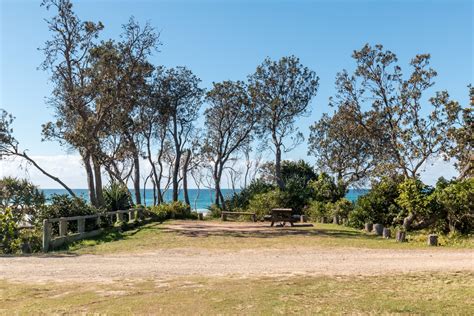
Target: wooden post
[(62, 227), (401, 236), (335, 219), (200, 216), (368, 227), (254, 218), (46, 235), (119, 217), (302, 219), (432, 240), (223, 216), (386, 233), (378, 229), (81, 225)]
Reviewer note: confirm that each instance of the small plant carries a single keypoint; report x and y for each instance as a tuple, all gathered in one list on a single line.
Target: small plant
[(117, 197), (9, 241), (262, 204)]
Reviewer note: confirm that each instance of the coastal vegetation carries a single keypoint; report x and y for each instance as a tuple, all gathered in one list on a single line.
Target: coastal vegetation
[(118, 110)]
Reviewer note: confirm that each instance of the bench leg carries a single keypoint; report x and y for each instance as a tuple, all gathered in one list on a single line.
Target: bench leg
[(271, 225)]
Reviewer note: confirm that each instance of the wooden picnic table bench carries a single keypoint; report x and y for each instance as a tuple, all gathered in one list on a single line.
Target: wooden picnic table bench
[(224, 215), (282, 215)]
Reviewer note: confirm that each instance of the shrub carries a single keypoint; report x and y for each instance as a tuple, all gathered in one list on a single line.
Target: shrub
[(296, 194), (63, 205), (117, 197), (23, 198), (262, 204), (318, 210), (9, 241), (176, 210), (457, 199), (214, 211), (242, 198), (325, 189), (32, 238), (379, 205), (342, 208)]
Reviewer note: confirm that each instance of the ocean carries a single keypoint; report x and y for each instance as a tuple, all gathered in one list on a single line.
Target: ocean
[(200, 199)]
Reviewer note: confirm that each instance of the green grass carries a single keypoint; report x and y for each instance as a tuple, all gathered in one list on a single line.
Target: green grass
[(164, 236), (413, 294)]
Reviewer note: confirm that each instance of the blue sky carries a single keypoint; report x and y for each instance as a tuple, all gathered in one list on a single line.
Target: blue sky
[(222, 40)]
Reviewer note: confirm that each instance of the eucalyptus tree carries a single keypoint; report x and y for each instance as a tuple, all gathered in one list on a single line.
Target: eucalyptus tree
[(394, 126), (121, 73), (462, 136), (68, 60), (180, 94), (230, 122), (9, 147), (283, 89)]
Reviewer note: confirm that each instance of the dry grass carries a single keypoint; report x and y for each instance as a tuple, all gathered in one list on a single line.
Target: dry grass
[(420, 294)]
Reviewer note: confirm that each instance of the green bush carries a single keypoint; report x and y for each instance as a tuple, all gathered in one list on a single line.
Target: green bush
[(318, 210), (296, 194), (262, 204), (63, 205), (32, 239), (214, 211), (9, 241), (242, 198), (117, 197), (342, 208), (379, 205), (22, 197), (325, 189), (173, 210)]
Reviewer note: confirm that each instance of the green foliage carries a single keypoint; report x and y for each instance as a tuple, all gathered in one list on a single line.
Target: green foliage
[(300, 169), (63, 205), (117, 197), (325, 189), (173, 210), (318, 210), (214, 211), (379, 205), (242, 198), (9, 241), (31, 239), (342, 208), (457, 199), (296, 194), (262, 204), (413, 196), (23, 197)]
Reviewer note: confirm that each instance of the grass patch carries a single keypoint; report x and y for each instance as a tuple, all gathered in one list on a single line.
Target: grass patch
[(165, 236), (421, 293)]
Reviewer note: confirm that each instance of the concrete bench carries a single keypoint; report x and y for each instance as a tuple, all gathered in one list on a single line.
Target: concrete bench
[(225, 214)]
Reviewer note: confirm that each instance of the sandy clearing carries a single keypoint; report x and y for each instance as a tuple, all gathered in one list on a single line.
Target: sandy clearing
[(164, 264)]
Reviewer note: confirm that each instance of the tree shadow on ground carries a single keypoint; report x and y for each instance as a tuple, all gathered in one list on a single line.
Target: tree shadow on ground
[(259, 231)]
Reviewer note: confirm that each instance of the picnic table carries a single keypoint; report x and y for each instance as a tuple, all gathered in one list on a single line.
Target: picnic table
[(282, 215)]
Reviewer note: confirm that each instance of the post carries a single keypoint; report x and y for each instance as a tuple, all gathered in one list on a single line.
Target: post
[(119, 217), (368, 227), (46, 235), (62, 227), (97, 221), (335, 219), (432, 240), (200, 216), (254, 218), (386, 233), (378, 229), (223, 216), (401, 236), (130, 216), (81, 225), (302, 219)]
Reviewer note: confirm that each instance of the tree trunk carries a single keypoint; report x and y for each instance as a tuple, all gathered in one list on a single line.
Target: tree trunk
[(176, 174), (407, 221), (136, 177), (98, 183), (90, 179), (154, 181), (278, 179), (185, 177)]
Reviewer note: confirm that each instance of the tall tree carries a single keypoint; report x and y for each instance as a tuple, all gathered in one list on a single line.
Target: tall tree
[(462, 136), (230, 122), (180, 93), (69, 62), (283, 89), (394, 135)]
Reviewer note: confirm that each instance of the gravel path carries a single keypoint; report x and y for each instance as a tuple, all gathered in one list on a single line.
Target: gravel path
[(165, 264)]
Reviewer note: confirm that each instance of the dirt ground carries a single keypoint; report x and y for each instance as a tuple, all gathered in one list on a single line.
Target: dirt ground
[(179, 262)]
